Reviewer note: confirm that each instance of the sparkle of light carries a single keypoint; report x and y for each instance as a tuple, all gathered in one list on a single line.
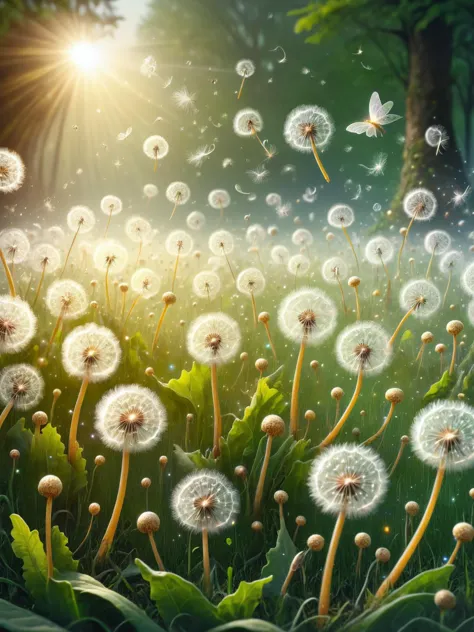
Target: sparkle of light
[(85, 55)]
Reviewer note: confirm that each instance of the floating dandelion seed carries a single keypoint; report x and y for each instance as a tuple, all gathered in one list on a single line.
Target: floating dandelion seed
[(221, 244), (251, 282), (205, 502), (379, 115), (436, 136), (148, 67), (156, 147), (249, 122), (347, 481), (258, 175), (244, 68), (436, 242), (80, 219), (178, 193), (197, 157), (110, 205), (92, 354), (280, 255), (214, 339), (420, 205), (342, 216), (448, 263), (185, 100), (206, 285), (178, 243), (378, 166), (196, 220), (442, 436), (461, 197), (17, 324), (219, 199), (21, 387), (128, 419), (308, 317), (309, 128), (12, 171)]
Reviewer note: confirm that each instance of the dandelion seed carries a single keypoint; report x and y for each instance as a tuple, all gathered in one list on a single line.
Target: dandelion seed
[(185, 100), (247, 123), (258, 175), (197, 158), (461, 198), (436, 136), (378, 166), (244, 68)]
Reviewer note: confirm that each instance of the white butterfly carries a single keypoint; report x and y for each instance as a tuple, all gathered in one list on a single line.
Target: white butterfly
[(378, 116), (124, 135)]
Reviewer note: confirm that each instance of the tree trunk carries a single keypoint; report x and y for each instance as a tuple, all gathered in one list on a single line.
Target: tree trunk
[(429, 102)]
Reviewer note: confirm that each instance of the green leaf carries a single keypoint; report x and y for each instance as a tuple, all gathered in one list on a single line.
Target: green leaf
[(249, 625), (278, 561), (62, 604), (86, 585), (428, 581), (28, 547), (192, 386), (394, 615), (407, 335), (174, 596), (19, 437), (15, 619), (441, 389), (243, 602), (62, 556)]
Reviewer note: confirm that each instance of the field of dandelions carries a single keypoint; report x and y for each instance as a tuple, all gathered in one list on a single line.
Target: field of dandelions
[(236, 430)]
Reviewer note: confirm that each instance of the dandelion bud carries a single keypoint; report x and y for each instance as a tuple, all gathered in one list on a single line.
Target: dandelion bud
[(50, 486), (440, 348), (445, 600), (310, 415), (300, 521), (329, 236), (463, 531), (315, 542), (412, 508), (363, 540), (403, 231), (273, 426), (280, 497), (337, 393), (148, 522), (356, 433), (123, 287), (353, 281), (14, 454), (99, 460), (150, 371), (94, 509), (382, 555), (145, 482), (454, 327), (314, 364), (94, 283), (39, 418), (163, 460), (394, 395), (376, 293), (244, 356), (261, 364), (264, 317), (471, 493), (461, 396), (189, 418), (405, 439), (94, 305), (363, 413), (452, 307), (427, 337), (42, 363), (257, 526), (57, 393), (241, 472), (297, 562), (169, 298)]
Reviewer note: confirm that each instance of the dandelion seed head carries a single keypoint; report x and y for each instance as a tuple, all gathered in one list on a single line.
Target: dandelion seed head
[(81, 218), (307, 315), (437, 241), (68, 298), (436, 136), (250, 282), (206, 285), (255, 234), (420, 204), (247, 122), (179, 242), (221, 242), (45, 257), (156, 147), (12, 171), (145, 282), (467, 279), (280, 255), (422, 295), (196, 220), (213, 338), (93, 351), (219, 198), (178, 193), (17, 324), (111, 205), (273, 199), (340, 215), (110, 254), (379, 251), (308, 122), (245, 67), (333, 269), (23, 384), (15, 245), (302, 237), (150, 191), (450, 261), (298, 265), (138, 229), (364, 346)]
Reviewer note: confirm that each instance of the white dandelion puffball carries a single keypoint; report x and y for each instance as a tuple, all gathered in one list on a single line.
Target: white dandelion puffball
[(280, 255), (15, 245), (155, 147), (206, 285), (213, 338), (250, 281), (436, 135), (302, 237), (219, 198), (150, 191), (350, 478), (420, 204), (247, 122), (450, 261), (221, 242), (67, 298), (196, 220), (444, 432), (334, 270), (81, 218), (306, 122), (255, 234), (364, 346), (467, 279), (130, 418), (437, 242), (45, 257), (340, 215), (110, 253), (91, 351), (23, 384), (145, 282), (179, 242), (111, 205), (205, 500), (12, 171), (379, 250), (138, 229), (298, 265), (422, 296), (178, 193), (17, 324), (273, 199), (307, 315), (245, 67)]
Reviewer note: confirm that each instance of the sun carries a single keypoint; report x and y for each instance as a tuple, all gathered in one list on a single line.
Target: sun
[(85, 55)]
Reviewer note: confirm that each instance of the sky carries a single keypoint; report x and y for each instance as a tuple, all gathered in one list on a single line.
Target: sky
[(132, 11)]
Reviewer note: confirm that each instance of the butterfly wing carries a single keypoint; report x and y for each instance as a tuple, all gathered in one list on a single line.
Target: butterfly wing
[(371, 130), (376, 111), (389, 118), (359, 128)]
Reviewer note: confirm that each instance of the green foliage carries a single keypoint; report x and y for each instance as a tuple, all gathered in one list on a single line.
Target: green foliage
[(28, 547), (430, 581), (15, 619), (63, 607), (440, 389), (394, 615), (279, 560), (407, 335), (249, 625), (62, 556), (175, 597)]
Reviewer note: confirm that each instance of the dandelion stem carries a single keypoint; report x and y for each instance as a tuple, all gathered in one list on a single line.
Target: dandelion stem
[(318, 159), (86, 536), (228, 264), (8, 274), (91, 485), (73, 445), (454, 553), (47, 535), (338, 427), (348, 237), (69, 251), (217, 412), (364, 587), (263, 472), (356, 290), (397, 460), (382, 427), (139, 253), (447, 286), (158, 327), (107, 295), (295, 390), (206, 563), (399, 567), (400, 325), (254, 309), (155, 551), (241, 87), (108, 222), (428, 270), (325, 594), (6, 411), (269, 336), (175, 271), (453, 356), (258, 138), (40, 285), (132, 307), (109, 535), (55, 330), (344, 306), (402, 245), (174, 209)]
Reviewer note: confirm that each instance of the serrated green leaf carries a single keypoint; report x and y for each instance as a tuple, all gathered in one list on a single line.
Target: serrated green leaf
[(62, 556), (279, 559), (440, 389), (242, 603), (28, 547), (15, 619), (193, 386)]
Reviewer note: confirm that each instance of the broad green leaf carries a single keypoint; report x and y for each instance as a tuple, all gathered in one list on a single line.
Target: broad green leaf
[(15, 619), (174, 596), (279, 560), (62, 556), (193, 386), (249, 625), (407, 335), (466, 626), (62, 604), (425, 625), (85, 585), (189, 461), (242, 603), (440, 389), (297, 478), (428, 581), (19, 437), (28, 547), (394, 615)]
